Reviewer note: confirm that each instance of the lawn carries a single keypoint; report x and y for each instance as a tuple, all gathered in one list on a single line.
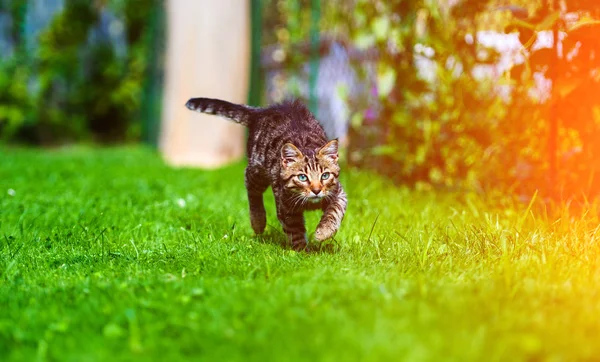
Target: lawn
[(109, 254)]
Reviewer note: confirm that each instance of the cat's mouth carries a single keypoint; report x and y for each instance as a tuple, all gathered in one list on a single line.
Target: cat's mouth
[(314, 198)]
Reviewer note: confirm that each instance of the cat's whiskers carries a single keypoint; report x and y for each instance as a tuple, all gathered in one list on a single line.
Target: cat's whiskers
[(297, 200)]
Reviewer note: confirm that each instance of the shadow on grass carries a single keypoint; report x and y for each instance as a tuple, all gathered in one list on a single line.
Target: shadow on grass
[(274, 236)]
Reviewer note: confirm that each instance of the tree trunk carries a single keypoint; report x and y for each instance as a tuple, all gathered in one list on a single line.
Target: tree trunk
[(208, 55)]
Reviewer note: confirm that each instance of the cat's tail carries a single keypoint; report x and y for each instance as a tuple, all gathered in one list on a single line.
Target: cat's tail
[(235, 112)]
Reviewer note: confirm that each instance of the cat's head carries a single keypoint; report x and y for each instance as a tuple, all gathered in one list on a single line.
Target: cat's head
[(313, 176)]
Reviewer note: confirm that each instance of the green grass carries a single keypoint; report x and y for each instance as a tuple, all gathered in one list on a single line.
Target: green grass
[(112, 255)]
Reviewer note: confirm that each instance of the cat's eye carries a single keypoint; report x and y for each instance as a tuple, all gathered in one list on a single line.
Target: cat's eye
[(325, 176), (302, 177)]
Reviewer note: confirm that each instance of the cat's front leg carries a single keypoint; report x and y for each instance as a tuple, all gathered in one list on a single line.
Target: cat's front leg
[(333, 214)]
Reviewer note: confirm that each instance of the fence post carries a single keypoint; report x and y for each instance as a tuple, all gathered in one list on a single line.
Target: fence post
[(151, 92), (313, 102), (256, 77), (204, 60)]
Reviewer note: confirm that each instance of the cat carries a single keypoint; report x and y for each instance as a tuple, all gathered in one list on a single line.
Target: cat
[(287, 149)]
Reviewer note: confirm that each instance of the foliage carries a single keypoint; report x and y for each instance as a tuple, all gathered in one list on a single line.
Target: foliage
[(432, 131), (448, 127), (109, 252), (573, 110), (289, 23), (70, 86)]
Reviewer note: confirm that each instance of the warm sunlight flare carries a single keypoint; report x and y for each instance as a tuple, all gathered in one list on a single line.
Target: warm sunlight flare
[(299, 180)]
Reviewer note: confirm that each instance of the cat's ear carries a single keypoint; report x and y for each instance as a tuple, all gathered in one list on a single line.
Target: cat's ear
[(329, 151), (290, 154)]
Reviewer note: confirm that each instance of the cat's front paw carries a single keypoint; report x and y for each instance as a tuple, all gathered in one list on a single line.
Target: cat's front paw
[(258, 220), (325, 231), (300, 246)]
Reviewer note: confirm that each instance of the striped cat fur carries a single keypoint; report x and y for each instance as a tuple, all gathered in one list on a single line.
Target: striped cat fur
[(287, 150)]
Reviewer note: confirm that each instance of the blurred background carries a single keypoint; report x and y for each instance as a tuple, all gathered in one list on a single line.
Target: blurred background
[(473, 94)]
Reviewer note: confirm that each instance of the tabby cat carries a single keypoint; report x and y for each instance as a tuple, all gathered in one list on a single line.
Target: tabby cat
[(287, 150)]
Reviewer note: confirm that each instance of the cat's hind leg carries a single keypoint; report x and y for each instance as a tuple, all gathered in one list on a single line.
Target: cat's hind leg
[(256, 185), (292, 223)]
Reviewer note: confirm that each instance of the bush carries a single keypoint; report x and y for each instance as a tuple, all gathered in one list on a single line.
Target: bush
[(435, 129), (451, 128), (75, 85)]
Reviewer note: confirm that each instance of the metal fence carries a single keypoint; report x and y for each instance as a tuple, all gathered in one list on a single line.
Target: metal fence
[(343, 78)]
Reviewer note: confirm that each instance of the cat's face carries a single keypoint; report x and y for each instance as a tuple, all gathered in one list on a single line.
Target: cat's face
[(311, 177)]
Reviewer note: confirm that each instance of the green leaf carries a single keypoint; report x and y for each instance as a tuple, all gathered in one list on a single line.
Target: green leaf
[(356, 120), (586, 30), (364, 40), (113, 330), (421, 155), (584, 23), (380, 27), (566, 86), (548, 21), (523, 24), (436, 175), (400, 118), (385, 81), (383, 150)]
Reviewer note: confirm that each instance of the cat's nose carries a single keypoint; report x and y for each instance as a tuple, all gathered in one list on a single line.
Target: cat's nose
[(315, 191)]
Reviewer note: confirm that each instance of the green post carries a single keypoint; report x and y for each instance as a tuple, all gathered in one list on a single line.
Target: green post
[(18, 12), (22, 21), (256, 77), (151, 93), (313, 102)]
